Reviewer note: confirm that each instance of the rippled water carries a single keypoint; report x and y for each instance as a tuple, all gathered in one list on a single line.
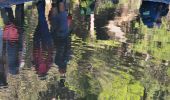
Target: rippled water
[(136, 68)]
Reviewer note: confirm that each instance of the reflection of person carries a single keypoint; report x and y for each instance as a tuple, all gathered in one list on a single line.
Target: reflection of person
[(42, 42), (12, 36), (58, 20), (151, 12), (2, 63), (60, 32)]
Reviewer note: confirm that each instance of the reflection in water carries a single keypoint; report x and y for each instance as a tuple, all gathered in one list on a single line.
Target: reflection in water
[(61, 37), (152, 12), (115, 1), (3, 81), (42, 42), (85, 12), (135, 69), (12, 39)]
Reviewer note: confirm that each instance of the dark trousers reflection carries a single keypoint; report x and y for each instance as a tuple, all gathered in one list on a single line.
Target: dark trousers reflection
[(63, 46)]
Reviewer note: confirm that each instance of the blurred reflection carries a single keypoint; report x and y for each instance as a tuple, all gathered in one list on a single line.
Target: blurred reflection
[(152, 12), (42, 43), (86, 8), (61, 36), (12, 36), (62, 56), (84, 27), (2, 63), (115, 1)]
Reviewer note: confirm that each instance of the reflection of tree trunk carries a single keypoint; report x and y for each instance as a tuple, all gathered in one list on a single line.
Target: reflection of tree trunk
[(92, 32), (145, 94), (32, 23)]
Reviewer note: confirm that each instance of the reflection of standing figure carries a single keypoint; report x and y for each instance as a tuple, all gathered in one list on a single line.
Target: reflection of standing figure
[(12, 36), (19, 21), (151, 12), (60, 32), (42, 53), (2, 63)]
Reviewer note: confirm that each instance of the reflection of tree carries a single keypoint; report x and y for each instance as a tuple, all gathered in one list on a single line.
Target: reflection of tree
[(155, 40), (154, 44), (80, 26), (118, 68), (84, 82), (55, 91), (96, 78), (30, 24)]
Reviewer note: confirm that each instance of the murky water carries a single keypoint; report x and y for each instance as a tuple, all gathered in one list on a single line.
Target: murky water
[(131, 64)]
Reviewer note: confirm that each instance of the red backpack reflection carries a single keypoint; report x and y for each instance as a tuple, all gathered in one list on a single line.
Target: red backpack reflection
[(10, 33)]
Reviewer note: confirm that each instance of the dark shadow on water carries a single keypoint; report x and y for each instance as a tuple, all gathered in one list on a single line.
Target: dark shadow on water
[(101, 20)]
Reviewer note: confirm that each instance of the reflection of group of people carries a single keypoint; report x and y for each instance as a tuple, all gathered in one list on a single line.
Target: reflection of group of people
[(152, 12), (45, 40)]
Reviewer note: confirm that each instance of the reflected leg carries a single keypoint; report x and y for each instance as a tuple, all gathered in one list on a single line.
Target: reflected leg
[(19, 22), (46, 39), (36, 47), (62, 54), (10, 14), (2, 62), (12, 56)]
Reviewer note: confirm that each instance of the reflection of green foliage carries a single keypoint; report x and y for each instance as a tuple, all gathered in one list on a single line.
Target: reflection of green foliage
[(121, 88), (108, 42), (131, 3), (102, 83), (98, 43), (168, 72), (156, 41), (30, 23), (105, 5), (86, 3), (1, 22)]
